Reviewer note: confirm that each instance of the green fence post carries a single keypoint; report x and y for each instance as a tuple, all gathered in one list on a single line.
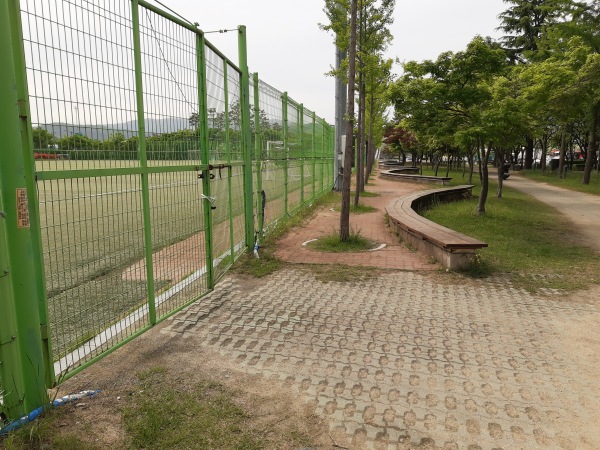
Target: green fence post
[(246, 137), (314, 157), (284, 99), (325, 149), (205, 156), (230, 168), (137, 54), (24, 370), (332, 150), (302, 155), (257, 153)]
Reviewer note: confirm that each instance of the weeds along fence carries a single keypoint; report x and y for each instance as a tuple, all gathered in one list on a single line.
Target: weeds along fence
[(137, 163)]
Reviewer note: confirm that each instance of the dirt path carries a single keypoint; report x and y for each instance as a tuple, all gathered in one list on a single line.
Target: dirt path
[(582, 209)]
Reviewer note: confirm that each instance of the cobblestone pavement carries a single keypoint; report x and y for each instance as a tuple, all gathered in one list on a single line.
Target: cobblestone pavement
[(405, 361)]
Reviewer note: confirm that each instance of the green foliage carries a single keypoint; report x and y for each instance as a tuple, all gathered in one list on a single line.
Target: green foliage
[(42, 138), (525, 20)]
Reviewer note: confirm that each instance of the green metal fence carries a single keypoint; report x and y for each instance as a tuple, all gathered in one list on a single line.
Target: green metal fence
[(137, 163)]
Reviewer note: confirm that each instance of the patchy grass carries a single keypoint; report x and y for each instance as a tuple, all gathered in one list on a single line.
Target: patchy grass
[(267, 263), (361, 209), (571, 181), (332, 243), (357, 209), (369, 194), (527, 240), (42, 434), (456, 174), (200, 416), (342, 273)]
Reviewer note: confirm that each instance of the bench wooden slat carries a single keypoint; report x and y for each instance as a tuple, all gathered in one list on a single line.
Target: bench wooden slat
[(408, 219)]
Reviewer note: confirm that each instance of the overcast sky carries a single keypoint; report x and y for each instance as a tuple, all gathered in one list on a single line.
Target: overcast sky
[(290, 52)]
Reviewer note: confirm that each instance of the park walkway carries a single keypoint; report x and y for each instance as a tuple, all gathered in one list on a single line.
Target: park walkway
[(582, 209), (409, 359)]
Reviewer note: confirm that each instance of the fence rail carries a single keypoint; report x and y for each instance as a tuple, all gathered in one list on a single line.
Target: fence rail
[(145, 156)]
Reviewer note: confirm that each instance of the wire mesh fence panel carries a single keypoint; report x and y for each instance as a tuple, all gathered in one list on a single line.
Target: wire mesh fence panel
[(170, 88), (294, 151), (272, 153), (91, 235), (178, 257), (81, 83), (140, 166), (82, 97), (308, 152), (217, 107)]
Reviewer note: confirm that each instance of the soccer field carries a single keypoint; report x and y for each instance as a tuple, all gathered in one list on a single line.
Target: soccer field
[(93, 242), (93, 239)]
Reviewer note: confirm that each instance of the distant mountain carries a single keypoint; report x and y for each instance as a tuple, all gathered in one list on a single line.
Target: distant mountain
[(128, 129)]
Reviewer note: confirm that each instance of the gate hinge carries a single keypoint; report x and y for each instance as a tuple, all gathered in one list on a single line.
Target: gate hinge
[(22, 109)]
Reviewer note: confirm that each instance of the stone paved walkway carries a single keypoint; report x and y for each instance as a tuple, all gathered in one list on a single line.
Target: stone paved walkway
[(404, 361), (407, 360)]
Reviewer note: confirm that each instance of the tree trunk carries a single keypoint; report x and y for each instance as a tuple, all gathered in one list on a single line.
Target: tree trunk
[(471, 166), (544, 145), (370, 146), (360, 154), (563, 151), (529, 146), (480, 155), (484, 182), (345, 208), (500, 159), (593, 145)]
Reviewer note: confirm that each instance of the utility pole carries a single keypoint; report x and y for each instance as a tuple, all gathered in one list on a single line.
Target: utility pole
[(341, 97)]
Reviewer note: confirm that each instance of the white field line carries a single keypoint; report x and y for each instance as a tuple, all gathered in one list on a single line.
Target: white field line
[(127, 191), (102, 338)]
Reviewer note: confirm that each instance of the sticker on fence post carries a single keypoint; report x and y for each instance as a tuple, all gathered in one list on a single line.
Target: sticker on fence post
[(22, 208)]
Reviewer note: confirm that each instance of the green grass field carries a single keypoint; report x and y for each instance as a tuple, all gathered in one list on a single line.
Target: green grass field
[(527, 240), (571, 181)]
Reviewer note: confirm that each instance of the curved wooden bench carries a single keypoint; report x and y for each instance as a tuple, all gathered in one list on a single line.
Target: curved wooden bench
[(395, 174), (451, 248)]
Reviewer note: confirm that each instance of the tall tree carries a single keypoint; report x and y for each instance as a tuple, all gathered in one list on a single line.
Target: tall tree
[(347, 176), (443, 101), (374, 17), (525, 22)]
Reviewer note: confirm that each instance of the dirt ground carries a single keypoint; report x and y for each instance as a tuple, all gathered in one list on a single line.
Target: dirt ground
[(97, 420)]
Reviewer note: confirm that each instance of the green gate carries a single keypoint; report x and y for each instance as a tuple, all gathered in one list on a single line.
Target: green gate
[(135, 160)]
